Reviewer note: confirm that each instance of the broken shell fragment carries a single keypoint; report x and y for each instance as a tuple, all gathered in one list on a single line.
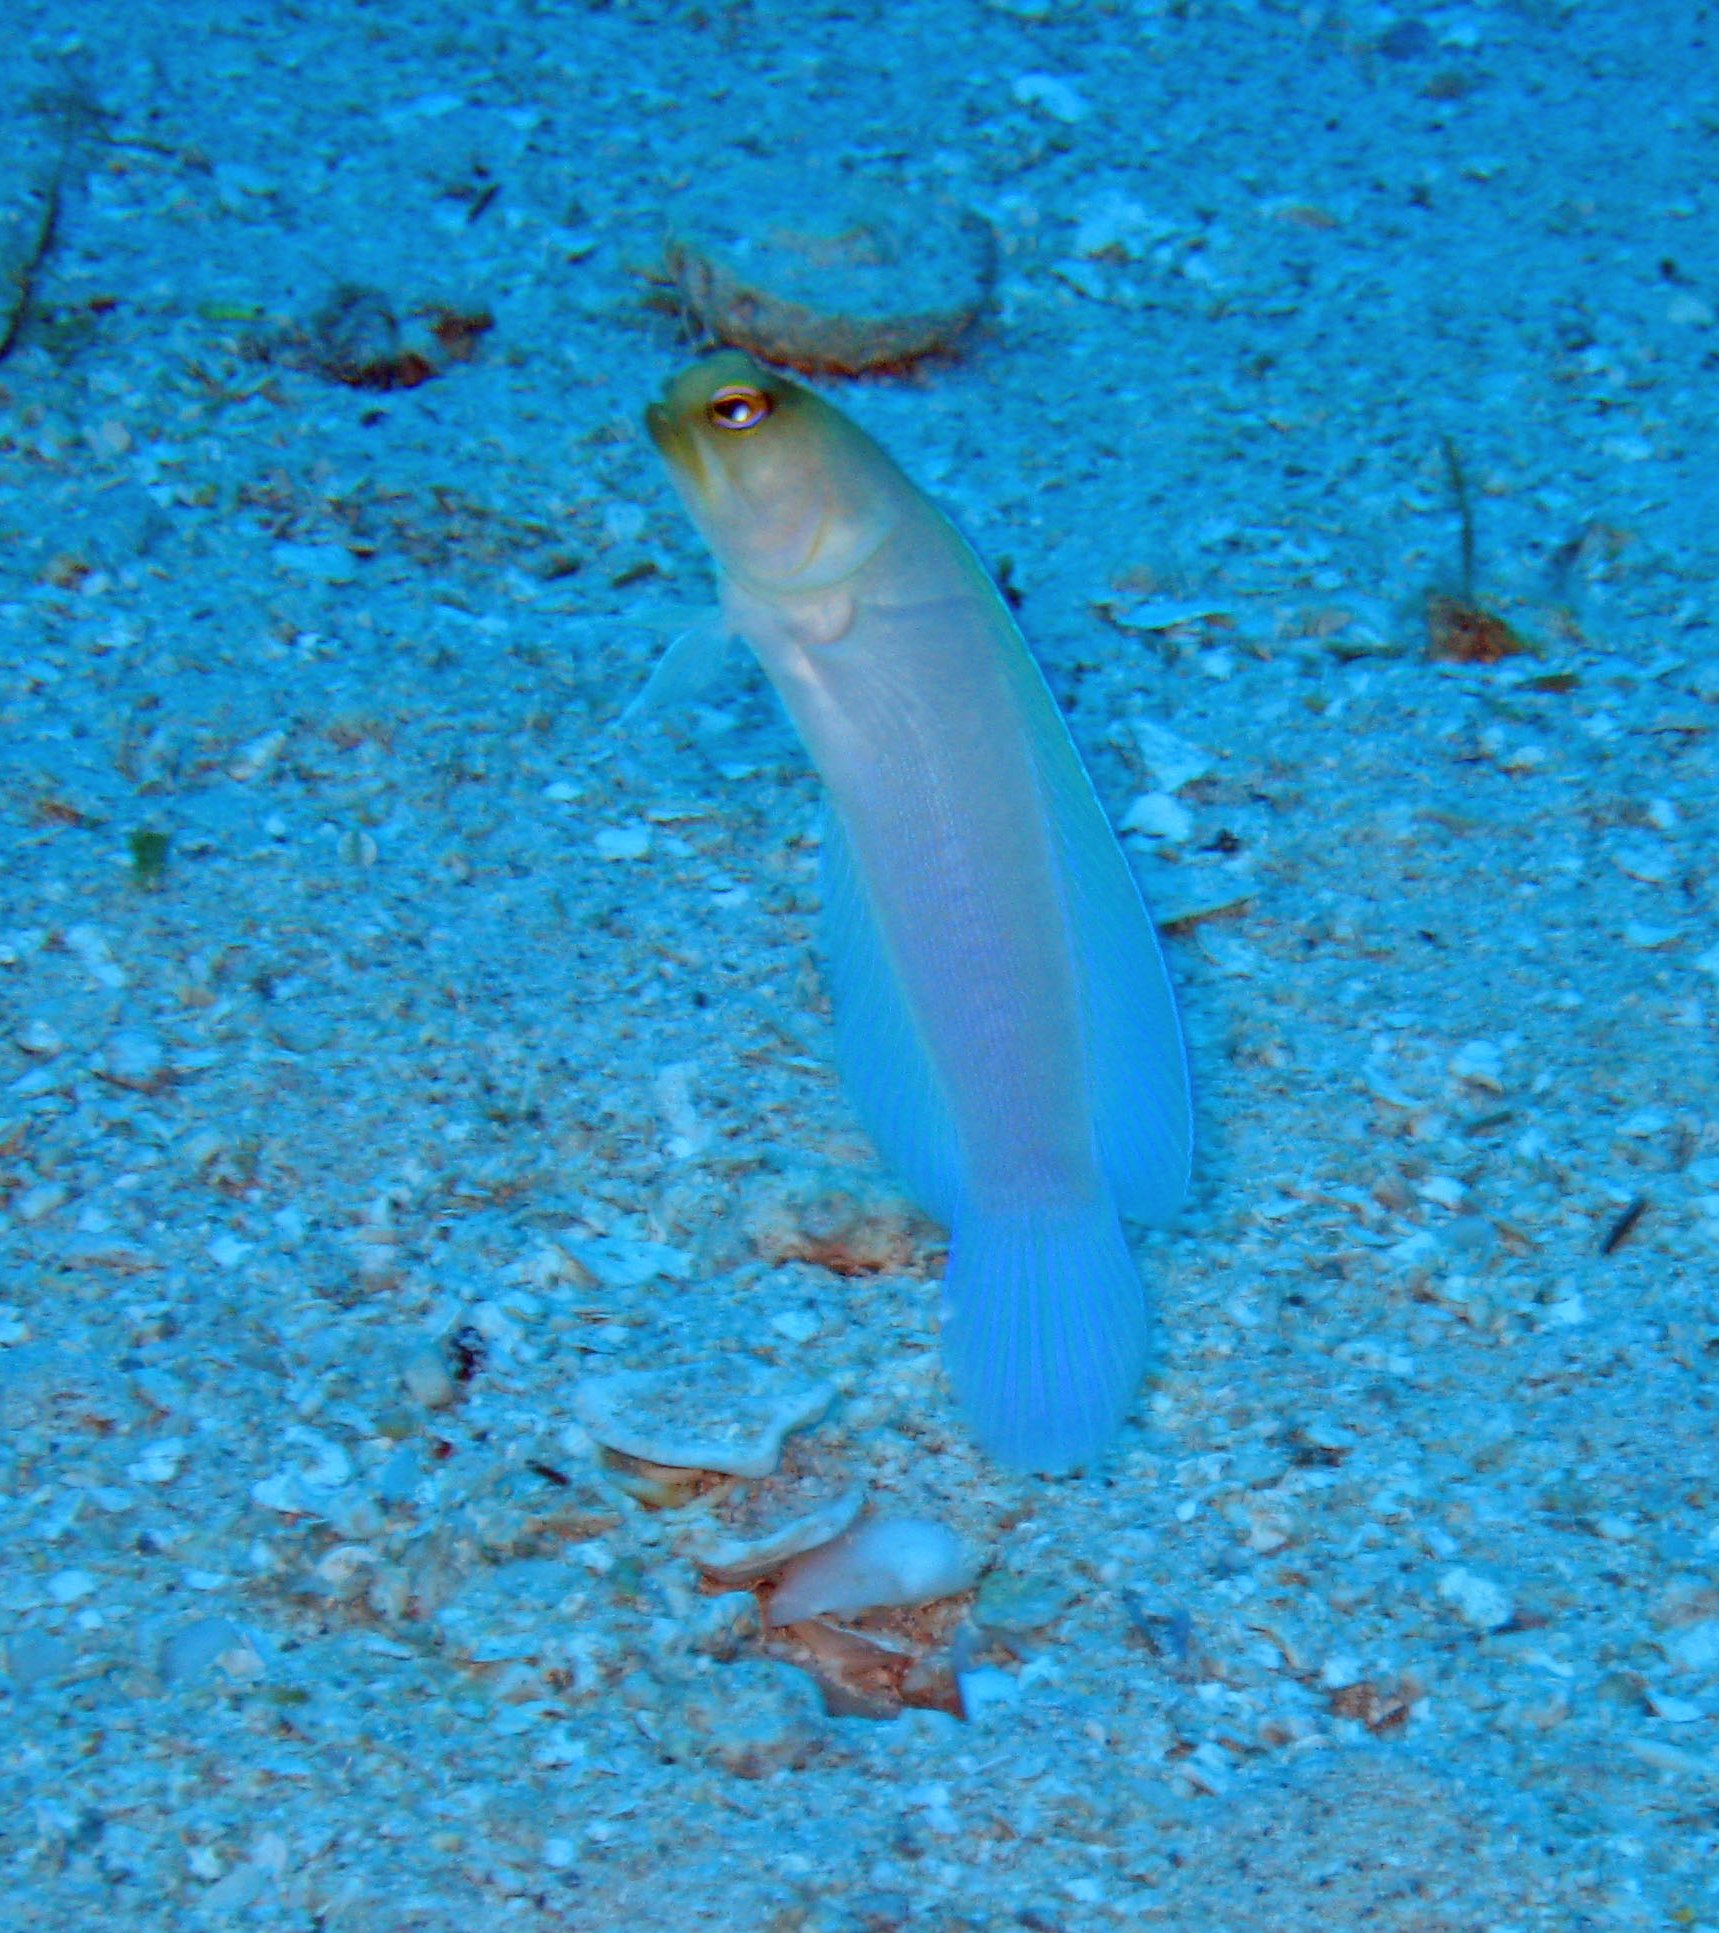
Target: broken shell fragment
[(658, 1486), (735, 1559), (728, 1415), (888, 1562)]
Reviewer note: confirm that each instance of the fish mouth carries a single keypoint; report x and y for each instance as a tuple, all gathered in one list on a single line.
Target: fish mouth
[(677, 447), (657, 425)]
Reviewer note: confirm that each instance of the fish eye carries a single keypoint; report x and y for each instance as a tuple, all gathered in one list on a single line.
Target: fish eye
[(739, 406)]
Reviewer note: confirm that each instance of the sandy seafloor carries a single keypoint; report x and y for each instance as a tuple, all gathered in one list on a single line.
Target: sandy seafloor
[(1397, 1605)]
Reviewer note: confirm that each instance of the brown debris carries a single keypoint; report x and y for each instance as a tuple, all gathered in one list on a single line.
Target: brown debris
[(1460, 631), (358, 340), (1380, 1707)]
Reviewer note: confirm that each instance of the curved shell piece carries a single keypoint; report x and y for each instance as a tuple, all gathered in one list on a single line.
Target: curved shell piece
[(889, 1561), (736, 1559)]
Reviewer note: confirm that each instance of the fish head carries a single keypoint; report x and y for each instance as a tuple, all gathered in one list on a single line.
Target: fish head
[(789, 495)]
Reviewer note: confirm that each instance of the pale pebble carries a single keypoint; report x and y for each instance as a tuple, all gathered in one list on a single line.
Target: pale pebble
[(1696, 1648), (1172, 761), (37, 1203), (133, 1057), (1675, 1711), (427, 1378), (617, 843), (1651, 939), (1058, 98), (1480, 1602), (70, 1587), (1155, 815), (38, 1038), (158, 1462)]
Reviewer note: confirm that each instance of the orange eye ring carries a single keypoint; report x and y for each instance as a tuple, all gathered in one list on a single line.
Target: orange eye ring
[(738, 406)]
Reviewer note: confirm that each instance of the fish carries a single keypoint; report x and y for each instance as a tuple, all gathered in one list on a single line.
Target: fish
[(1004, 1020)]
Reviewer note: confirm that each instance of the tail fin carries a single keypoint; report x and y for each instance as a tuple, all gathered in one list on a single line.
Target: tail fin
[(1045, 1330)]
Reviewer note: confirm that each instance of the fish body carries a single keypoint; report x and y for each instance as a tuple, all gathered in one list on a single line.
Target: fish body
[(1004, 1020)]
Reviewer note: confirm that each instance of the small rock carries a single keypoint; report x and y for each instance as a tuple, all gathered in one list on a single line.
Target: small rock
[(89, 944), (986, 1690), (257, 756), (1479, 1601), (196, 1648), (1015, 1605), (37, 1658), (821, 272), (1696, 1648), (508, 1612), (1155, 815), (1341, 1671), (1479, 1064), (720, 1623), (1183, 896), (888, 1562), (1652, 865), (360, 339), (853, 1224), (427, 1378), (400, 1478), (70, 1587), (309, 1488), (753, 1718), (728, 1415), (1675, 1711), (1172, 761), (39, 1039), (1409, 39), (158, 1462), (623, 842), (1460, 631), (1648, 938), (132, 1057), (1053, 95), (1118, 228), (36, 1204)]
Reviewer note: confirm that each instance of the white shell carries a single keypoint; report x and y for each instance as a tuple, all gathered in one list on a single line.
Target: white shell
[(889, 1561), (729, 1415), (734, 1559)]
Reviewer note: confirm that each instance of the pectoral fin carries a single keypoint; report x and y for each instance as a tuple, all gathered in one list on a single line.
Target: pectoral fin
[(686, 670)]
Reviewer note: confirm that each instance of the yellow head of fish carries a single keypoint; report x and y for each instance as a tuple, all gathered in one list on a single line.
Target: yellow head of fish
[(789, 495)]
